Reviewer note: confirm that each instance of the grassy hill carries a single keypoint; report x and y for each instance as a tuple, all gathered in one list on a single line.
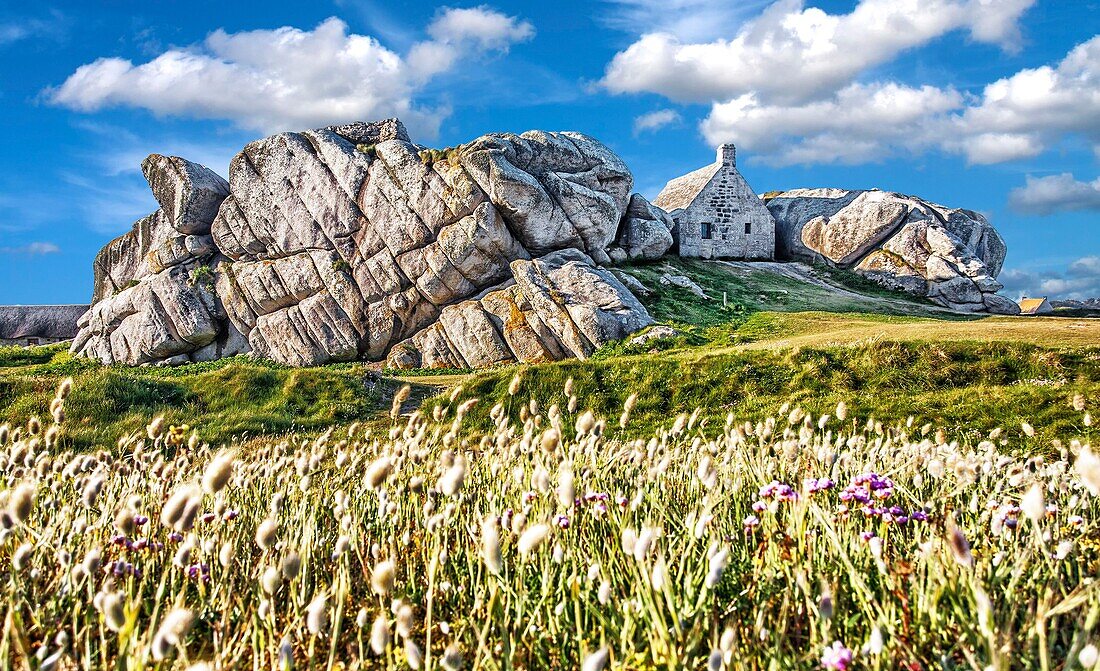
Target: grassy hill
[(228, 398), (769, 334)]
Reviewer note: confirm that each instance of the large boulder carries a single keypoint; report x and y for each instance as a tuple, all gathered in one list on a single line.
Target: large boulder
[(557, 306), (154, 296), (646, 232), (338, 243), (951, 256), (189, 195)]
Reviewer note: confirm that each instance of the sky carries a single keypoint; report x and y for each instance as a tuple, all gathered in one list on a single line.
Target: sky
[(991, 105)]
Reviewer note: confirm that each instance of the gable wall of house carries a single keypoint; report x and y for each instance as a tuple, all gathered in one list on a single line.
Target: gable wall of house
[(724, 207)]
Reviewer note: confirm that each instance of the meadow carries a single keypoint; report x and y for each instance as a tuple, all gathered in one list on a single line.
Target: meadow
[(800, 541), (806, 475)]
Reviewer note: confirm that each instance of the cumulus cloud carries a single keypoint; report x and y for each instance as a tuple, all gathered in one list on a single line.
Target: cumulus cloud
[(655, 120), (32, 249), (486, 28), (1056, 193), (791, 54), (1033, 107), (1014, 118), (1080, 281), (288, 78), (791, 83), (860, 123)]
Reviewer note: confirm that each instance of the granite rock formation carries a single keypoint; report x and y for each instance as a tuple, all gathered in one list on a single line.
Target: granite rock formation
[(339, 243), (556, 307), (951, 256), (153, 296)]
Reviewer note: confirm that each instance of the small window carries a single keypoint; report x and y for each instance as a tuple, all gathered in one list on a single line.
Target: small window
[(748, 228), (32, 341), (706, 230)]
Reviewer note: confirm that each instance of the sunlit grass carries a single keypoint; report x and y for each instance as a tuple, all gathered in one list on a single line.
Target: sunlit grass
[(795, 541)]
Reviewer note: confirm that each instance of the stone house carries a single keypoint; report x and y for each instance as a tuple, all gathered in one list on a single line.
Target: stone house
[(717, 214), (31, 325)]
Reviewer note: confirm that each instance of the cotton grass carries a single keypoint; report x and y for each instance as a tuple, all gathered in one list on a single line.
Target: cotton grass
[(548, 542)]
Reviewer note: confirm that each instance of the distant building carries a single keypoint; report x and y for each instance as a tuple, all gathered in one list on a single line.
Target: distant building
[(30, 325), (717, 214), (1035, 306)]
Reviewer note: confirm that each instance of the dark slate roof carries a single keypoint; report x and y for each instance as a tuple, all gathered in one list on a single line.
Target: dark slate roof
[(39, 321)]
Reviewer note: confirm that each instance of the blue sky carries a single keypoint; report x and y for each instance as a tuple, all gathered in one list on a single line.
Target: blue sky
[(992, 105)]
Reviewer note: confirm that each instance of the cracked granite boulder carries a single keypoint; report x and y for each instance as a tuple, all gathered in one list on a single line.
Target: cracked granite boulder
[(646, 232), (339, 243), (951, 256), (153, 296), (557, 306), (343, 244)]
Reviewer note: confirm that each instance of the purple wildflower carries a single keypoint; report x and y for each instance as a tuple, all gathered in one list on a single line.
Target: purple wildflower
[(837, 657), (779, 491), (199, 572), (815, 485), (122, 568)]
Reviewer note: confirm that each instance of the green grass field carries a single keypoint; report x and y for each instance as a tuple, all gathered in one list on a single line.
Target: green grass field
[(229, 398), (812, 338)]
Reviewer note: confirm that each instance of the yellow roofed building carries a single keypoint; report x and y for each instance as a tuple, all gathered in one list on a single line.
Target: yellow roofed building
[(1035, 306)]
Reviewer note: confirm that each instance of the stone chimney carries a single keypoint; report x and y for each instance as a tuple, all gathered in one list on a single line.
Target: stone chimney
[(727, 155)]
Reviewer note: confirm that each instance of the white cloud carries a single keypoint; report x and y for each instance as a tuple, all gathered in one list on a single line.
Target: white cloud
[(1080, 281), (489, 29), (791, 54), (32, 249), (53, 27), (1036, 105), (862, 122), (1056, 193), (988, 148), (288, 78), (1014, 118), (655, 120), (685, 19), (791, 83)]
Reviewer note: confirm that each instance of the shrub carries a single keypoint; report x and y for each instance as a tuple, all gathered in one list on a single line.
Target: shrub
[(203, 276)]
